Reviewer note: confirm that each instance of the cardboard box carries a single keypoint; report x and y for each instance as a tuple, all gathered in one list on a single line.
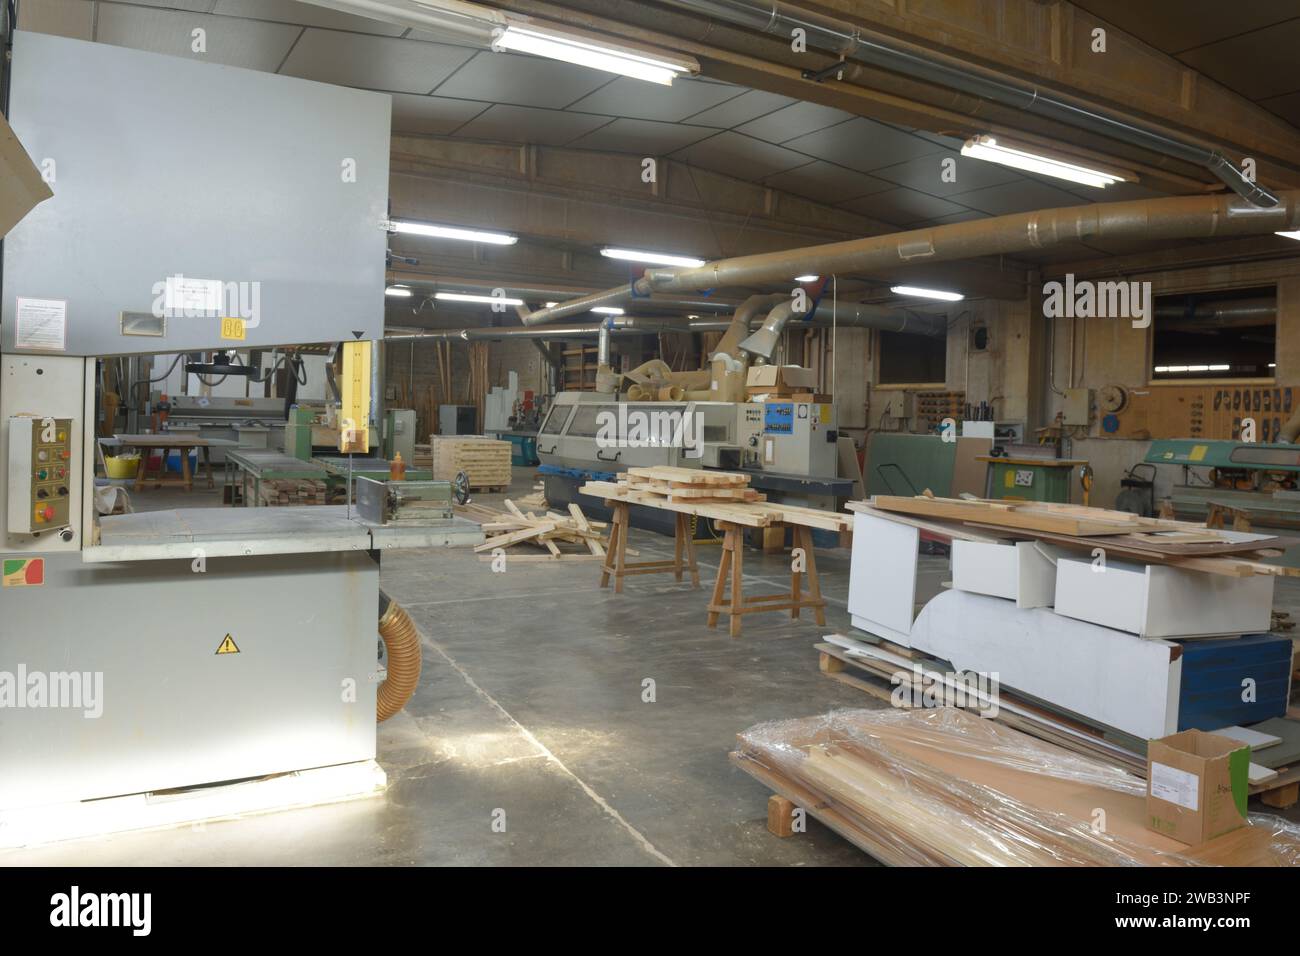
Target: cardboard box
[(1197, 785), (21, 185), (779, 380)]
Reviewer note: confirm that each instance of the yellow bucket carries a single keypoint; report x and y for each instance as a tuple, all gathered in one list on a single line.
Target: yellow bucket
[(123, 466)]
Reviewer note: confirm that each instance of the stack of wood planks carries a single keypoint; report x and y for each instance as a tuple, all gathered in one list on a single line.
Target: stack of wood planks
[(1120, 534), (943, 787), (485, 461), (284, 492), (691, 484), (536, 500), (728, 499), (548, 530)]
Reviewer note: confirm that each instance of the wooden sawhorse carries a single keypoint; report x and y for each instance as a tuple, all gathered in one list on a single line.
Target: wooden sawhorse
[(616, 562), (733, 561)]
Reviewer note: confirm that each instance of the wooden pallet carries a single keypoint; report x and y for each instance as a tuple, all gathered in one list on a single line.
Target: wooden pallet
[(485, 461)]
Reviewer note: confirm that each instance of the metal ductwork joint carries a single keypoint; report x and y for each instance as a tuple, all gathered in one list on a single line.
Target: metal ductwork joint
[(848, 42)]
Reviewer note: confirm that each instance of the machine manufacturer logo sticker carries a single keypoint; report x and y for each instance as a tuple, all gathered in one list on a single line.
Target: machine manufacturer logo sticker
[(228, 646), (24, 572)]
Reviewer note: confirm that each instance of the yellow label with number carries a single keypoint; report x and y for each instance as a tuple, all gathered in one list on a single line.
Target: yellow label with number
[(233, 329)]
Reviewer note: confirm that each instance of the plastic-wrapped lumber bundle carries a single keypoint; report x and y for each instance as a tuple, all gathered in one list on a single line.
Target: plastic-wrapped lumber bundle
[(944, 787)]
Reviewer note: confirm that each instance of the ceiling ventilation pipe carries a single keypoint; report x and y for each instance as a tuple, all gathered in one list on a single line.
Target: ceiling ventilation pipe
[(848, 42), (1174, 217)]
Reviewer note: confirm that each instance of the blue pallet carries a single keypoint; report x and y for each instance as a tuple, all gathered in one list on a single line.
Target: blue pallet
[(1213, 672)]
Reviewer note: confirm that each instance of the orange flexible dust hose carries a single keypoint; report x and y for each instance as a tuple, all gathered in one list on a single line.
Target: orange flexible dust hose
[(402, 650)]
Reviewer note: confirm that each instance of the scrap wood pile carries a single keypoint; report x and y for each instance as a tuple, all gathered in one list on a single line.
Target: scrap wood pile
[(548, 530), (1122, 535), (720, 495), (943, 787)]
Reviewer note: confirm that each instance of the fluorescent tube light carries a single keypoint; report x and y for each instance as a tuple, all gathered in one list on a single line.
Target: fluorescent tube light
[(468, 297), (608, 310), (927, 293), (397, 291), (988, 148), (1293, 234), (1220, 368), (452, 232), (651, 258), (806, 278), (597, 56)]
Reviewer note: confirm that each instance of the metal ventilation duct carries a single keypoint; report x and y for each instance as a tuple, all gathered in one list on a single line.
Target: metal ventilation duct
[(848, 42)]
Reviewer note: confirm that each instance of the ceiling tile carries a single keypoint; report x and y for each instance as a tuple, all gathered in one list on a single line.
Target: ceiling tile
[(434, 115), (740, 109), (375, 63), (521, 124), (303, 14), (741, 156), (191, 6), (521, 80), (642, 137), (927, 174), (863, 144), (1287, 107), (1197, 21), (1256, 64), (797, 119), (902, 206), (1022, 196), (951, 142), (64, 18), (638, 99), (245, 43), (824, 182), (956, 217), (1119, 192)]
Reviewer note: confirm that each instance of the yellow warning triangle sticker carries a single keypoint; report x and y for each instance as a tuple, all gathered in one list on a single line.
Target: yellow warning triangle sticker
[(228, 646)]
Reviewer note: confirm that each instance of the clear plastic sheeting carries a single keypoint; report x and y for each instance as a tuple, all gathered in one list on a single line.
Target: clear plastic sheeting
[(944, 787)]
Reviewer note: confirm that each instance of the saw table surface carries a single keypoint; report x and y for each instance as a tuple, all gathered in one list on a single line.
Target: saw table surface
[(225, 532)]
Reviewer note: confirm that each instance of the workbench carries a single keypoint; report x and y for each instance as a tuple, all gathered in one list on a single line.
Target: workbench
[(163, 443), (732, 518), (258, 465), (367, 466)]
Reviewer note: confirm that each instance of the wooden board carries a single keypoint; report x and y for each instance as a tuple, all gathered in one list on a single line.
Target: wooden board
[(1069, 520), (750, 514), (687, 476)]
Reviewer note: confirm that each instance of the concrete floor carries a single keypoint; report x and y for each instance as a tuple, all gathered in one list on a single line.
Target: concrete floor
[(531, 702)]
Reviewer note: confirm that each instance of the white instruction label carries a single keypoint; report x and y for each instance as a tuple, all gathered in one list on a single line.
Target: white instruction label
[(184, 296), (41, 324), (1175, 786)]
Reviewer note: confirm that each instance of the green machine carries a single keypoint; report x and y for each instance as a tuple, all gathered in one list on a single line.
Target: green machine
[(901, 463), (1259, 479), (1031, 479)]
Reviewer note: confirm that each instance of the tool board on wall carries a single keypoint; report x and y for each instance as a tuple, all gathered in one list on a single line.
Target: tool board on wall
[(1196, 411)]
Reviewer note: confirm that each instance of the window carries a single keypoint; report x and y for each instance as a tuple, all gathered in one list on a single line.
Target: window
[(1230, 334), (905, 359), (556, 420)]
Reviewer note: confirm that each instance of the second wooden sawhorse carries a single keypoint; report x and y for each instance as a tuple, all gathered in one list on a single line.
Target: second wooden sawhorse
[(803, 564), (616, 563)]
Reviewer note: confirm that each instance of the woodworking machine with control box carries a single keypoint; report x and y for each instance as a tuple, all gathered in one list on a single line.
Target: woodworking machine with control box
[(183, 648)]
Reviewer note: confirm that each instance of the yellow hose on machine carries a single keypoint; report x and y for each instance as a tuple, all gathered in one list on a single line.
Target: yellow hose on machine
[(402, 650)]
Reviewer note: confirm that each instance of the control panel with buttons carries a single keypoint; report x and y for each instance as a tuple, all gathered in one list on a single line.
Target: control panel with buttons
[(40, 474)]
